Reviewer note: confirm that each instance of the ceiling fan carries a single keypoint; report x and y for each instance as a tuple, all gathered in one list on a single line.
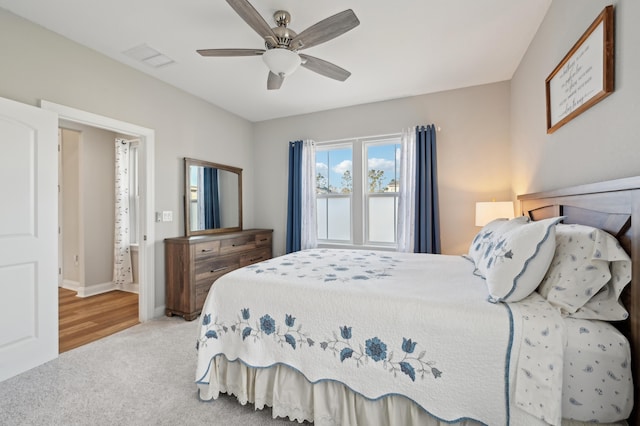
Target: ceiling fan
[(282, 44)]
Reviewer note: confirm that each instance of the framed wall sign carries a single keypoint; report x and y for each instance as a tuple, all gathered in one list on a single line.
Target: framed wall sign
[(585, 75)]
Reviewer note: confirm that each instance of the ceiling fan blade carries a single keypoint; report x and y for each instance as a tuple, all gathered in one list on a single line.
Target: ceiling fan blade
[(274, 81), (324, 68), (326, 30), (230, 52), (254, 19)]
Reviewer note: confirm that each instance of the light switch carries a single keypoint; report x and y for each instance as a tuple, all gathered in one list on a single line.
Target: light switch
[(167, 216), (158, 217)]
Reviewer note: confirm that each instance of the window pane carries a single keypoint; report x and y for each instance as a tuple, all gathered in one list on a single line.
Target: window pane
[(321, 218), (383, 162), (334, 171), (339, 219), (382, 219)]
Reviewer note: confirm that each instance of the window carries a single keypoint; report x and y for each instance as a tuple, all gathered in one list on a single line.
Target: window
[(357, 191)]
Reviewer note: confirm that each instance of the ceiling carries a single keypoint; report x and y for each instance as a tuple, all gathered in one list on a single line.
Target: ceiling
[(402, 48)]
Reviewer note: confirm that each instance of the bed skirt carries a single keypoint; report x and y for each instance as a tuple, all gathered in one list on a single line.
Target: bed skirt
[(291, 395)]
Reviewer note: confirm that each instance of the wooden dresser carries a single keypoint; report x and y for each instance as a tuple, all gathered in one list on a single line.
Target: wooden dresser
[(192, 264)]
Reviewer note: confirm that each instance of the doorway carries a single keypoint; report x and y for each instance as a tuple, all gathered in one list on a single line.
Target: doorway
[(90, 305), (87, 206), (145, 234)]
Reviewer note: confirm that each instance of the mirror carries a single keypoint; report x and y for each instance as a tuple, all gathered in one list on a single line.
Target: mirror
[(213, 197)]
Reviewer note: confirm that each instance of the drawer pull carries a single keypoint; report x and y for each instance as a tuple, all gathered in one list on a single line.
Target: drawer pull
[(255, 259), (234, 245), (220, 269), (264, 239), (205, 250)]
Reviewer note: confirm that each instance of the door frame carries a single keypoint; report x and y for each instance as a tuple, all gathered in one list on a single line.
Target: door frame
[(146, 237), (60, 212)]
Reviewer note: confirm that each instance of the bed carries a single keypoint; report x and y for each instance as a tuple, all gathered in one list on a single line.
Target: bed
[(368, 337)]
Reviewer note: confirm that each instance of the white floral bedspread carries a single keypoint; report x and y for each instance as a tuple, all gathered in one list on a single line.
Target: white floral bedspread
[(386, 323)]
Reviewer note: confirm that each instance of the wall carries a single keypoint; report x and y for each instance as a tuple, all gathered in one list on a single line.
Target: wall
[(38, 64), (70, 207), (98, 204), (599, 144), (473, 152)]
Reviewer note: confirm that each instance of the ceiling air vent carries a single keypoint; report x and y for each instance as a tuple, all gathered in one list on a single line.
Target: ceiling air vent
[(148, 55)]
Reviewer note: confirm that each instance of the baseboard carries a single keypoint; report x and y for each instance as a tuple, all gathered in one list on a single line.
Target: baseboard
[(159, 311), (95, 289), (70, 285), (98, 288), (131, 288)]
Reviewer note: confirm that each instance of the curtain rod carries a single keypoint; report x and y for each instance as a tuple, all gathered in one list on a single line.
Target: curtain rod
[(123, 141), (388, 135)]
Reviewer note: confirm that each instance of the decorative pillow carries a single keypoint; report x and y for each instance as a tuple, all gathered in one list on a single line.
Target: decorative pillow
[(483, 238), (516, 261), (488, 233), (587, 274)]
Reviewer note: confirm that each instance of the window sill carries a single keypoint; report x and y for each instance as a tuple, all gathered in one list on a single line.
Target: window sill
[(356, 247)]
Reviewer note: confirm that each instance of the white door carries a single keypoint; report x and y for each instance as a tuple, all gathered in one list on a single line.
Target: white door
[(28, 237)]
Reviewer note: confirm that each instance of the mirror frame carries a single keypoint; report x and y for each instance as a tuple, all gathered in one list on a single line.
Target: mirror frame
[(188, 162)]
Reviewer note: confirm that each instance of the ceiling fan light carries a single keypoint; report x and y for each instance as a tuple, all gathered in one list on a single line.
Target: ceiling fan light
[(281, 61)]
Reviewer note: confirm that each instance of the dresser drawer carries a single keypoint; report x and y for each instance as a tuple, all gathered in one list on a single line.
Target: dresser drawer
[(237, 244), (255, 256), (263, 240), (216, 266), (206, 279), (206, 249), (202, 289)]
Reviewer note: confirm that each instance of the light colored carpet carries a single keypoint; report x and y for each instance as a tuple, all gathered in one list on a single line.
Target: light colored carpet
[(141, 376)]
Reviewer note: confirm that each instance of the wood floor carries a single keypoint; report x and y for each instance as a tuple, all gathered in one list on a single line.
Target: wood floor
[(86, 319)]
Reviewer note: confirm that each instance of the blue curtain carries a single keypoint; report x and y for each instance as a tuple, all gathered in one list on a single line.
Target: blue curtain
[(427, 220), (294, 207), (211, 199)]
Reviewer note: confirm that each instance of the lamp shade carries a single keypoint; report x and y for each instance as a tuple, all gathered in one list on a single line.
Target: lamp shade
[(281, 61), (488, 211)]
